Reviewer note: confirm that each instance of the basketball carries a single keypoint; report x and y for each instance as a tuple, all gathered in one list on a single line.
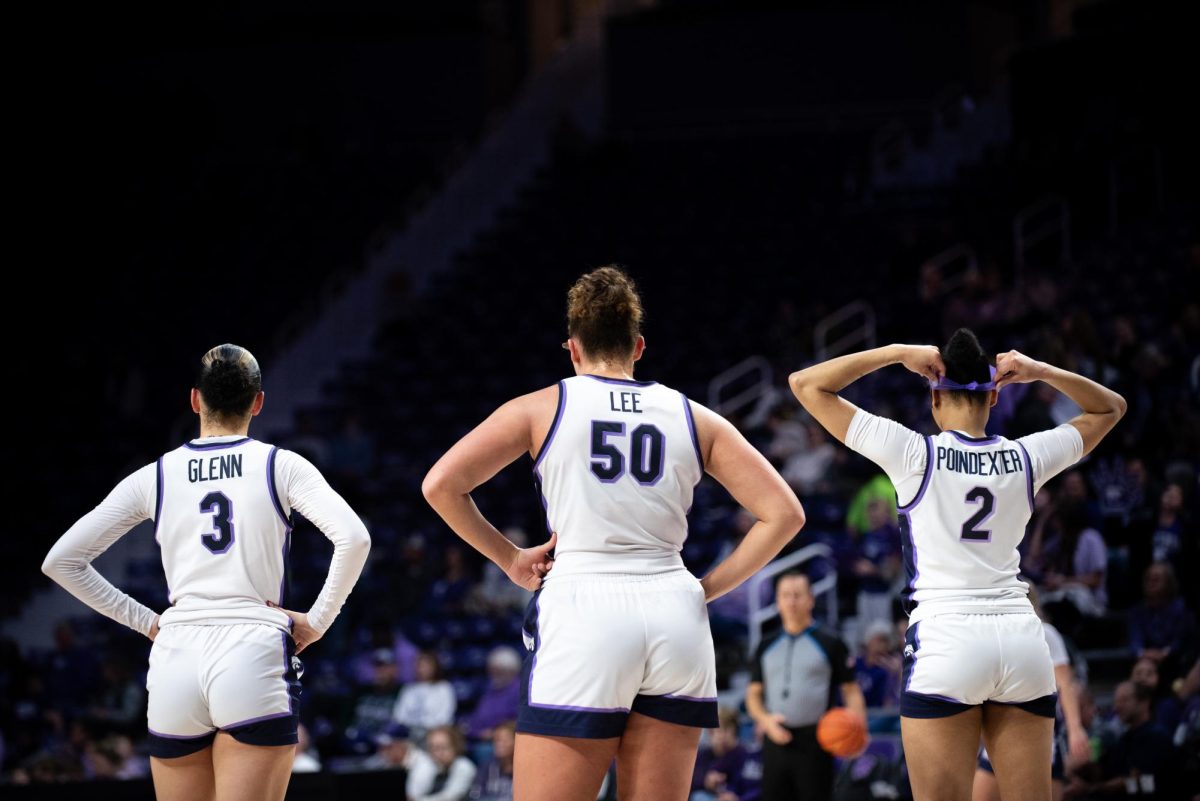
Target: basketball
[(842, 733)]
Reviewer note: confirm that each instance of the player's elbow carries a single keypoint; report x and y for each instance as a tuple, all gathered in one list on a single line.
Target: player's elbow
[(56, 564), (360, 540), (1120, 406), (790, 516), (798, 381), (436, 485)]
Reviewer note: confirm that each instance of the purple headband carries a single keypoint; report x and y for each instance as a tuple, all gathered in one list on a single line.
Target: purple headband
[(974, 386)]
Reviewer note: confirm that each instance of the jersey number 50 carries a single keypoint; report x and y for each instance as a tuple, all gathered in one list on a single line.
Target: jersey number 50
[(646, 448)]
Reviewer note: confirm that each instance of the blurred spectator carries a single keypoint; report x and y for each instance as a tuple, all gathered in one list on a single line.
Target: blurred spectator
[(1161, 627), (879, 487), (496, 594), (807, 470), (395, 751), (114, 758), (877, 669), (1074, 565), (427, 702), (500, 700), (448, 593), (375, 703), (789, 436), (721, 773), (352, 453), (1143, 761), (876, 564), (453, 773), (307, 759), (1171, 541), (383, 636), (120, 701), (494, 780), (70, 672)]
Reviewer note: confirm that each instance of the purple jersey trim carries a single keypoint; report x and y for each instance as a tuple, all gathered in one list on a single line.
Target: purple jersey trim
[(908, 507), (1028, 474), (215, 446), (558, 416), (691, 424)]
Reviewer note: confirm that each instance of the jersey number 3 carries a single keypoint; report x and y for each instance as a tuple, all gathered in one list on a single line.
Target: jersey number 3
[(646, 446), (220, 539), (987, 505)]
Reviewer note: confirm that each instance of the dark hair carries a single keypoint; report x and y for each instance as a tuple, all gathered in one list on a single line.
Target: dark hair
[(605, 313), (229, 380), (966, 362), (1141, 693), (787, 574)]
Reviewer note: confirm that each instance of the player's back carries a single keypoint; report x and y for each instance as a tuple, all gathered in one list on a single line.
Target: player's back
[(961, 531), (616, 473), (224, 533)]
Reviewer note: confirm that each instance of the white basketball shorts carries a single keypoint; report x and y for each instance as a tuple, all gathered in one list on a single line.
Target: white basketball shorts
[(956, 661), (603, 645), (242, 679)]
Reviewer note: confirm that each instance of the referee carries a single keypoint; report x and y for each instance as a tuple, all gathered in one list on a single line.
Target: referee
[(797, 676)]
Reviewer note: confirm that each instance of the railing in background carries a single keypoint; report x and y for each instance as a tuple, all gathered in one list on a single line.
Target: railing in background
[(754, 368), (858, 312), (1036, 223), (933, 278), (760, 614)]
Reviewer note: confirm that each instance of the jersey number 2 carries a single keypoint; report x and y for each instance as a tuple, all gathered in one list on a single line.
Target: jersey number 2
[(645, 453), (987, 505), (220, 539)]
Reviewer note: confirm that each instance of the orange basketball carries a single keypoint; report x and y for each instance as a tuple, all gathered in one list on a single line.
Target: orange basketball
[(842, 733)]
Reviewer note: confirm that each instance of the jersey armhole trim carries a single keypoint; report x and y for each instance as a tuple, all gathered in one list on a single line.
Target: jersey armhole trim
[(691, 424), (1028, 473), (908, 507), (272, 490), (558, 415), (158, 497)]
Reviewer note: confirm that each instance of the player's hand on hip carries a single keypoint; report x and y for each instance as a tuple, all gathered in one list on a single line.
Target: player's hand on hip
[(153, 630), (1015, 367), (924, 360), (303, 634), (531, 565)]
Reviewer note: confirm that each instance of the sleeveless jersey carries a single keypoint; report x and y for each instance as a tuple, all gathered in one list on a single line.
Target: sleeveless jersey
[(223, 531), (962, 522), (616, 475)]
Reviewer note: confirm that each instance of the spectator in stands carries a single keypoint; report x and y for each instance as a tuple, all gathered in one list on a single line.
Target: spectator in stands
[(120, 701), (374, 704), (427, 702), (493, 781), (807, 470), (496, 594), (114, 758), (1161, 628), (396, 751), (879, 487), (1143, 761), (352, 452), (1074, 565), (382, 635), (1170, 540), (721, 773), (448, 594), (307, 759), (876, 564), (499, 701), (797, 675), (70, 671), (877, 669), (453, 773)]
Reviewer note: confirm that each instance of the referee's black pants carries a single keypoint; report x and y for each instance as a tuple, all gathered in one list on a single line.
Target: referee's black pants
[(798, 771)]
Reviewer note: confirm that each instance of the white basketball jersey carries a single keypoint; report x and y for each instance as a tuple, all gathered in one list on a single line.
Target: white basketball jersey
[(616, 474), (963, 505), (223, 531), (961, 531)]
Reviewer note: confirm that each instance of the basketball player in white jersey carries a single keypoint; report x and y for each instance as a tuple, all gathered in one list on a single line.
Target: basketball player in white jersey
[(1068, 721), (223, 680), (620, 662), (976, 659)]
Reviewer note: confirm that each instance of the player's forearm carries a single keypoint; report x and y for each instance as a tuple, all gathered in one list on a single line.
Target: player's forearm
[(1093, 398), (350, 551), (464, 519), (761, 544), (837, 374)]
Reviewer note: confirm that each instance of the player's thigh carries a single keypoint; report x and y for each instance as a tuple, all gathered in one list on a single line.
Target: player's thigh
[(941, 754), (985, 787), (250, 772), (1020, 746), (177, 713), (184, 778), (1028, 675), (656, 759), (950, 661), (563, 768), (253, 685)]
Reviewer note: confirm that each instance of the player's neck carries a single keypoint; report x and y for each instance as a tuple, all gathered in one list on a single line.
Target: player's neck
[(967, 423), (607, 370), (211, 430)]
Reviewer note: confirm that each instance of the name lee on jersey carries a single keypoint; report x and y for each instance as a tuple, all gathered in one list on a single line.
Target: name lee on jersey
[(628, 402), (979, 463), (215, 467)]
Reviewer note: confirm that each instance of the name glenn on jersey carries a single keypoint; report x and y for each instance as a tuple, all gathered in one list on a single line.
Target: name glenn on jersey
[(215, 467), (979, 463)]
